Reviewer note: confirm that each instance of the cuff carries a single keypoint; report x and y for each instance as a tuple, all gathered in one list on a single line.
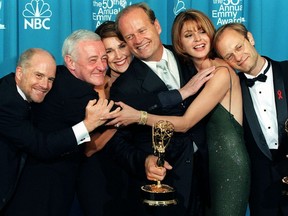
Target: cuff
[(81, 133)]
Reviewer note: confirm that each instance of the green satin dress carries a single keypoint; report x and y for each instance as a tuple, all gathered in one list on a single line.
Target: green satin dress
[(229, 165)]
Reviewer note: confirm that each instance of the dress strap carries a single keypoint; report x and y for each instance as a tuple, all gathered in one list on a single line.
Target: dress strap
[(230, 98)]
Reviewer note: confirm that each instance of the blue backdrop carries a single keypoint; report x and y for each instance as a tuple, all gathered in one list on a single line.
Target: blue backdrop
[(46, 23)]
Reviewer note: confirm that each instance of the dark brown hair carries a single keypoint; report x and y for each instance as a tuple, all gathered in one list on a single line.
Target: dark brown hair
[(106, 29)]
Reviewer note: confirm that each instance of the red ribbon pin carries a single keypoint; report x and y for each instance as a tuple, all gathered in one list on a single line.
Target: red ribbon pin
[(279, 93)]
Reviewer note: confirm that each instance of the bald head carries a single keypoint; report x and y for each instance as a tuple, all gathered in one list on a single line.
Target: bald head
[(35, 73)]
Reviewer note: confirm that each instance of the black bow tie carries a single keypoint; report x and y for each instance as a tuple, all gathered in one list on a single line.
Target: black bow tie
[(261, 77)]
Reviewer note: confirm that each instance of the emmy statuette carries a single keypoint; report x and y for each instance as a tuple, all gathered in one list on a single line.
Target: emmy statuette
[(160, 194)]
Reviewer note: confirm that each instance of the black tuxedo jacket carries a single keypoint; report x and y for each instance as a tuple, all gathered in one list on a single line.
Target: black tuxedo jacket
[(267, 168), (18, 137), (47, 187), (139, 87)]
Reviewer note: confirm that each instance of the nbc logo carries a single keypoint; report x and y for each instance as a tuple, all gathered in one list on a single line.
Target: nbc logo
[(36, 15), (180, 6)]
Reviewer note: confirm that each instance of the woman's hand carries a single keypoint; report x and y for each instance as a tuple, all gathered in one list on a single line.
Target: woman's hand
[(126, 116)]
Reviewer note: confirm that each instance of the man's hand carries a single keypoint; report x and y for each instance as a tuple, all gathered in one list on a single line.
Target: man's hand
[(95, 110), (196, 82), (154, 172)]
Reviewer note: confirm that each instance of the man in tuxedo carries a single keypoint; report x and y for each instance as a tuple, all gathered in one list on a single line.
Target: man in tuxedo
[(32, 80), (47, 187), (265, 91), (141, 88)]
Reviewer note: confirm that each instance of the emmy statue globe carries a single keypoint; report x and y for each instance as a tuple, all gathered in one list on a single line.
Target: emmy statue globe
[(160, 194), (285, 179)]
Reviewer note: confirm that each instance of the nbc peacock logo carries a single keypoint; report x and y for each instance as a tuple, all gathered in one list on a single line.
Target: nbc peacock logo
[(37, 15), (180, 6)]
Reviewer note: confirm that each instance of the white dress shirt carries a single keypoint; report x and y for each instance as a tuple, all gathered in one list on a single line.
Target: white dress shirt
[(263, 98), (172, 65)]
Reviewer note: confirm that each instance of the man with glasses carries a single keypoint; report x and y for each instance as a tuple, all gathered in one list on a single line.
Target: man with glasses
[(264, 89)]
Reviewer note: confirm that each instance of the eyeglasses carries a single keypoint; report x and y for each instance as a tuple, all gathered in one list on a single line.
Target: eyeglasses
[(239, 49)]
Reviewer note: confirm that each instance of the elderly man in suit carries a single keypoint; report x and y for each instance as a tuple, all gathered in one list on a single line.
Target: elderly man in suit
[(265, 90), (47, 187), (33, 79)]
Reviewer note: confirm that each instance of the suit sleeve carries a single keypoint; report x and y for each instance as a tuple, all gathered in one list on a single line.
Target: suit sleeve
[(153, 102), (17, 131)]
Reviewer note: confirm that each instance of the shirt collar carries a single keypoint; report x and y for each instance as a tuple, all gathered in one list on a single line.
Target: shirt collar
[(261, 71), (21, 93)]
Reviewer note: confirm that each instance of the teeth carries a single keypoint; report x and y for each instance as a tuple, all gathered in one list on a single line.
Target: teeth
[(139, 48), (41, 92), (199, 46), (142, 46)]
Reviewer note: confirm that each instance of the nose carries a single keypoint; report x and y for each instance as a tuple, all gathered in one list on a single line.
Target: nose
[(45, 83), (102, 65), (197, 37), (238, 56), (118, 53), (138, 38)]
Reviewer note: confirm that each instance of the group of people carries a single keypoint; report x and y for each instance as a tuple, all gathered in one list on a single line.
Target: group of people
[(229, 149)]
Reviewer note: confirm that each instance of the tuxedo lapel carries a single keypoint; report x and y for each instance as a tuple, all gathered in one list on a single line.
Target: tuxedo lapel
[(150, 81), (253, 122), (280, 99)]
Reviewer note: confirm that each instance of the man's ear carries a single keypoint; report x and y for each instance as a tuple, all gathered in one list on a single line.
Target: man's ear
[(158, 26), (251, 38), (69, 62), (19, 72)]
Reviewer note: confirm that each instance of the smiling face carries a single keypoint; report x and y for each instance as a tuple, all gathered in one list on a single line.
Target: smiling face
[(194, 40), (239, 51), (119, 55), (141, 35), (35, 78), (89, 61), (192, 35)]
